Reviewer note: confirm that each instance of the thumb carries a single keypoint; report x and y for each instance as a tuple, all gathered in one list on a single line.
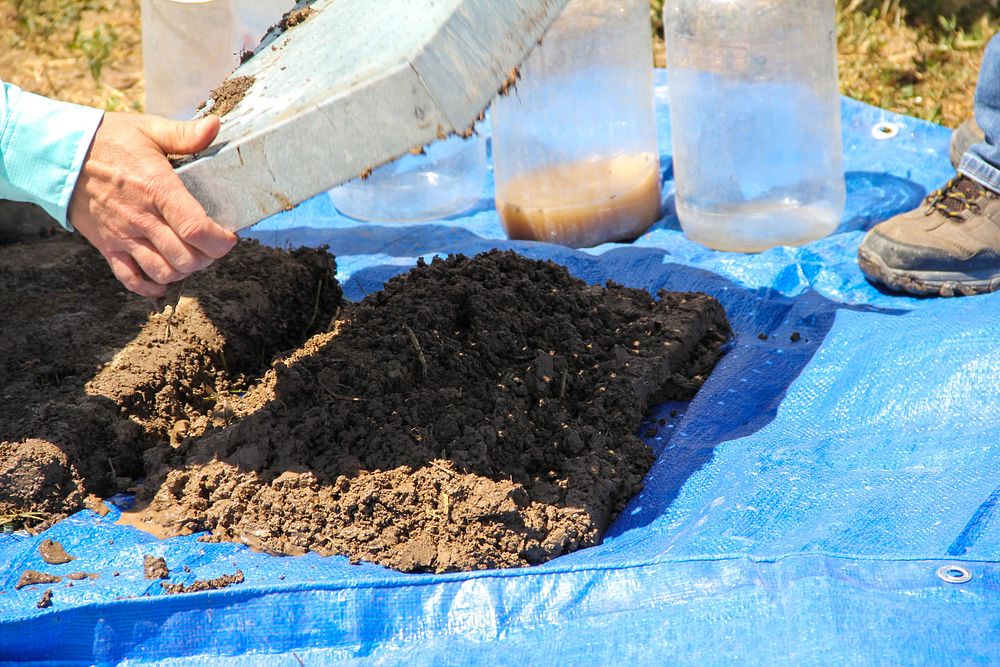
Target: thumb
[(183, 137)]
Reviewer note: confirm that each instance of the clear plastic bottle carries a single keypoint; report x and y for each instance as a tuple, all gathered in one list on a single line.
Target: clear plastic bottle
[(574, 142), (188, 48), (445, 180), (755, 118)]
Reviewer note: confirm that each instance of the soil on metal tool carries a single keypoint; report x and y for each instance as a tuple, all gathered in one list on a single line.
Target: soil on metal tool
[(295, 17), (228, 95)]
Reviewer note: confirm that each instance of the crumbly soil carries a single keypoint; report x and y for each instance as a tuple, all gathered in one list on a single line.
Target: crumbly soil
[(230, 93), (475, 414), (225, 581), (90, 378), (295, 17), (155, 567)]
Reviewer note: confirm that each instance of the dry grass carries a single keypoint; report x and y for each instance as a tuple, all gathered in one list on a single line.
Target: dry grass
[(919, 57), (83, 51)]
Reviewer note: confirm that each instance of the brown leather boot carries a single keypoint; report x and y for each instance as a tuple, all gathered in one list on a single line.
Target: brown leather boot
[(949, 246)]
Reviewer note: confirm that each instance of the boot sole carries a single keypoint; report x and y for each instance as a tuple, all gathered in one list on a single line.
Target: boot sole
[(935, 283)]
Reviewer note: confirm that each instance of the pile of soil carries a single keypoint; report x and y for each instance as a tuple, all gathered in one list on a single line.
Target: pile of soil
[(475, 414), (90, 378)]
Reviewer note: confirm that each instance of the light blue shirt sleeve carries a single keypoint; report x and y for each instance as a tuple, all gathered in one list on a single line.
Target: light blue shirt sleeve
[(43, 144)]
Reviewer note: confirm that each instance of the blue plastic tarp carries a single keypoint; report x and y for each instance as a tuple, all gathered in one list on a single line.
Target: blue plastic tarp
[(799, 510)]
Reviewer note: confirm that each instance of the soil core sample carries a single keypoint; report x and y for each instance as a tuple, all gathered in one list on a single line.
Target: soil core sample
[(474, 414)]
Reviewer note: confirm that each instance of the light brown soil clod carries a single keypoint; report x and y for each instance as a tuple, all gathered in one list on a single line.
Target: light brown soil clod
[(53, 553), (46, 599), (32, 577), (155, 568)]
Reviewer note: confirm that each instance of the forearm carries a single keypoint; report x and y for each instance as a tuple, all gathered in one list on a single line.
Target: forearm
[(43, 144)]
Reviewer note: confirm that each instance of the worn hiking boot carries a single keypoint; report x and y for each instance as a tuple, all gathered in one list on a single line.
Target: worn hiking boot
[(947, 247), (964, 136)]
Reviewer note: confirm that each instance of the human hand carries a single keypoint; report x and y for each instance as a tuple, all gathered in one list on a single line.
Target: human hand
[(134, 209)]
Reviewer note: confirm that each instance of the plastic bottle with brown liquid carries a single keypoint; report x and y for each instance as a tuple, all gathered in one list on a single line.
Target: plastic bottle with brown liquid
[(574, 141)]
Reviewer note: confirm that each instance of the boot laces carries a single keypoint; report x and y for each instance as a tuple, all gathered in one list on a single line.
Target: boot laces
[(955, 197)]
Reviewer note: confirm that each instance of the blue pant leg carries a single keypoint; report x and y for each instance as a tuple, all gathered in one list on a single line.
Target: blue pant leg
[(982, 161)]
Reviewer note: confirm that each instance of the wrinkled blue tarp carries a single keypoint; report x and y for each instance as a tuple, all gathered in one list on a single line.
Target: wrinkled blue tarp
[(798, 512)]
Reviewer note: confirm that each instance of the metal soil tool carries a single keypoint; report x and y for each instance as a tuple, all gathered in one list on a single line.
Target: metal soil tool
[(355, 85)]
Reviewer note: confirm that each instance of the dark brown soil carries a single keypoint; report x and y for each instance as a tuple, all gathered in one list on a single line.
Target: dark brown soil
[(32, 577), (155, 567), (90, 379), (225, 98), (224, 581), (53, 553), (476, 414)]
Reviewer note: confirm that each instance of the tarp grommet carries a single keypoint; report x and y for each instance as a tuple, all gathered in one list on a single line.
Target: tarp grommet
[(954, 574), (885, 130)]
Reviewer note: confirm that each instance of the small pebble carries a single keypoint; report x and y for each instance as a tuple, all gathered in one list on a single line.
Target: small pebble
[(795, 337)]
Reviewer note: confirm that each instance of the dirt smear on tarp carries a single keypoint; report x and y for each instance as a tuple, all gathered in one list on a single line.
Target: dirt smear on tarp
[(476, 413)]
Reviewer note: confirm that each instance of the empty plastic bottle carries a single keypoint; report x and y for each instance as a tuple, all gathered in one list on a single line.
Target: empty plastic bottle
[(755, 118), (446, 179)]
